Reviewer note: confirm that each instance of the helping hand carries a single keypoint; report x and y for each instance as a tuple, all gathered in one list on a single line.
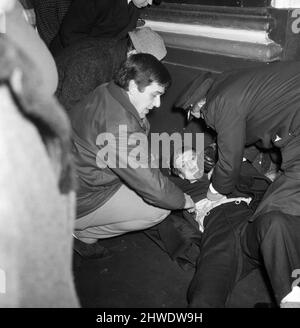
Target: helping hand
[(189, 204), (213, 195), (210, 157), (195, 112)]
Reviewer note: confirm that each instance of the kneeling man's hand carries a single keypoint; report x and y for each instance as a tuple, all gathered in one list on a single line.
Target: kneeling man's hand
[(189, 204)]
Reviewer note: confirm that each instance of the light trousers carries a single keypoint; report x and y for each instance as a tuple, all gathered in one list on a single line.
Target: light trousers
[(125, 211)]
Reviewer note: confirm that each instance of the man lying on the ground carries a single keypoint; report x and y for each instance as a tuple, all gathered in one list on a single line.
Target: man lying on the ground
[(259, 106)]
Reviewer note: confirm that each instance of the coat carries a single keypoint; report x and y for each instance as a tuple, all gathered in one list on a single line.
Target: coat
[(94, 18), (104, 111), (254, 106), (85, 65)]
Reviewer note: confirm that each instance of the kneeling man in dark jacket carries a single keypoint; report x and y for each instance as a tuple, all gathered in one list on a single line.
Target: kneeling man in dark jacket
[(120, 188)]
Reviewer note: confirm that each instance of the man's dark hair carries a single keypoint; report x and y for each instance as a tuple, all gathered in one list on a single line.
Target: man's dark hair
[(143, 69), (174, 155)]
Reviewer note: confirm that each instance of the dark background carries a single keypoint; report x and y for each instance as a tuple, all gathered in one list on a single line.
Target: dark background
[(234, 3)]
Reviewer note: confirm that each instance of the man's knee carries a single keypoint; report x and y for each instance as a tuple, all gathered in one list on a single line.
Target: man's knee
[(161, 215), (140, 224), (268, 225), (158, 216), (271, 222)]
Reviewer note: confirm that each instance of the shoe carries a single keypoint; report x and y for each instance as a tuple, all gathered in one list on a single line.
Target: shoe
[(289, 305), (291, 300), (90, 251)]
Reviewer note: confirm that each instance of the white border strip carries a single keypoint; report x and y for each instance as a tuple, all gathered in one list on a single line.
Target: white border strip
[(285, 3), (251, 36)]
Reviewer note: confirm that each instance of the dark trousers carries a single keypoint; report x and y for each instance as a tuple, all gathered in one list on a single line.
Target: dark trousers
[(220, 257), (274, 240), (232, 247)]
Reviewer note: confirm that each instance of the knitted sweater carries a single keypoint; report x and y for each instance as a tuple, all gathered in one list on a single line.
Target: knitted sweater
[(97, 19), (85, 65)]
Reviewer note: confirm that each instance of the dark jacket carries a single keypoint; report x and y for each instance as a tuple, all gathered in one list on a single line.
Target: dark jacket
[(104, 111), (49, 15), (253, 106), (94, 18)]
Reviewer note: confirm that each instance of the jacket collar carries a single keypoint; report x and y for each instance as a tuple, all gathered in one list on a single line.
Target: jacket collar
[(122, 97)]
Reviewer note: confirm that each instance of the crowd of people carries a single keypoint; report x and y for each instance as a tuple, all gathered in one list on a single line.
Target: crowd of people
[(80, 83)]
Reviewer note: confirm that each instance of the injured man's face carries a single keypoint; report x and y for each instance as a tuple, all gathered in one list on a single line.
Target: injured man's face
[(189, 165)]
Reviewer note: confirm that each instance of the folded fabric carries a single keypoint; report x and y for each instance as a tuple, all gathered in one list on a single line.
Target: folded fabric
[(204, 206)]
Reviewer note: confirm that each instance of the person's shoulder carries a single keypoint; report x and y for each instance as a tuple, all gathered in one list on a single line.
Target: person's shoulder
[(99, 99), (102, 88), (104, 4), (90, 109)]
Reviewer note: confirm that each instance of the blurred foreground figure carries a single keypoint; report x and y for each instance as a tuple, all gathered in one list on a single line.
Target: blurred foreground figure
[(36, 198), (19, 31)]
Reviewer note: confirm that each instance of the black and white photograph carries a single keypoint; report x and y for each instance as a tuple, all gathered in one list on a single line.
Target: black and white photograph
[(149, 160)]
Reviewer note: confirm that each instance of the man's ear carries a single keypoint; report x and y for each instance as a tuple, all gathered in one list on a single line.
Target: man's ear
[(16, 80), (131, 52), (132, 87)]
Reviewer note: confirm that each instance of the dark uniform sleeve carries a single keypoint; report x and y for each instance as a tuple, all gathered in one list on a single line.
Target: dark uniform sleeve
[(230, 126), (131, 163)]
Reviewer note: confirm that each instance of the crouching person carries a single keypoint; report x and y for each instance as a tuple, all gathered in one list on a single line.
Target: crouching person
[(258, 106), (119, 190)]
